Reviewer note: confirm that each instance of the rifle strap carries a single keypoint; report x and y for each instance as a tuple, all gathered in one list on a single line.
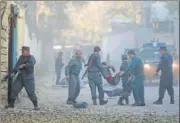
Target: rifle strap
[(90, 60)]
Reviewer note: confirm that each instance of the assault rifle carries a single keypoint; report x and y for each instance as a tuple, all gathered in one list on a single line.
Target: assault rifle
[(14, 73)]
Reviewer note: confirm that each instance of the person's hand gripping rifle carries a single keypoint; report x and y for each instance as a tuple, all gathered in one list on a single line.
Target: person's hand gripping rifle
[(15, 72)]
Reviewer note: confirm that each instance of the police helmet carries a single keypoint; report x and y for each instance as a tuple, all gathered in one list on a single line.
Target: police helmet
[(163, 48), (25, 48), (131, 52)]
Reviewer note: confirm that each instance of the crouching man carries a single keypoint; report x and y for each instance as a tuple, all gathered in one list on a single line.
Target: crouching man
[(126, 82)]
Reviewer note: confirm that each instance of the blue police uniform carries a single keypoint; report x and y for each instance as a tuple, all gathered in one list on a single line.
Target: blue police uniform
[(166, 78), (73, 70), (137, 70), (95, 71)]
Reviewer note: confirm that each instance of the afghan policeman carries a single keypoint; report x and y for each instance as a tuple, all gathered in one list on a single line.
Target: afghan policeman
[(72, 75), (95, 70), (58, 67), (125, 82), (137, 70), (25, 78), (166, 79)]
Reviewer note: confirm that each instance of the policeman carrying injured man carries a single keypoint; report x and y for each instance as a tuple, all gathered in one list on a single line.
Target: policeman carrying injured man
[(95, 71), (137, 71), (126, 82), (25, 78)]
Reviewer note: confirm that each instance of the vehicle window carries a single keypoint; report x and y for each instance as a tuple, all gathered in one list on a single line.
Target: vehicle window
[(149, 55)]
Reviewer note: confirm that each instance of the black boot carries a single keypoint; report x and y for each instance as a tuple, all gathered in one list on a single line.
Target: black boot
[(158, 102), (11, 104), (172, 100), (142, 104), (127, 100), (120, 101), (69, 102), (94, 102), (74, 101), (103, 102), (35, 103), (136, 104)]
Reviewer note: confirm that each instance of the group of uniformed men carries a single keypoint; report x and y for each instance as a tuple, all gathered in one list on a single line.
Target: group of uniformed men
[(95, 72), (132, 75)]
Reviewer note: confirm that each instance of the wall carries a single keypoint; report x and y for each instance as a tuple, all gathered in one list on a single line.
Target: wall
[(4, 37)]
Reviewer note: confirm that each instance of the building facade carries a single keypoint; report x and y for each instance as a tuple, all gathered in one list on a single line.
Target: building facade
[(4, 38)]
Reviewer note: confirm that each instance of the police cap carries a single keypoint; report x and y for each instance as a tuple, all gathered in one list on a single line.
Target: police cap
[(131, 52), (25, 48), (97, 49), (163, 48)]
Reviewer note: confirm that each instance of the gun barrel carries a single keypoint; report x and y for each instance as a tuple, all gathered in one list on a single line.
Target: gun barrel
[(84, 74)]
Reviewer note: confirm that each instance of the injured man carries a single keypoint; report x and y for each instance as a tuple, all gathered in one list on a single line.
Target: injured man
[(124, 92)]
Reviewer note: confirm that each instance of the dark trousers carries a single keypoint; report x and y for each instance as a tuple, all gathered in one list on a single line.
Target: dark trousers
[(166, 83), (95, 81), (26, 82), (58, 77), (126, 92), (74, 87), (138, 90), (138, 94)]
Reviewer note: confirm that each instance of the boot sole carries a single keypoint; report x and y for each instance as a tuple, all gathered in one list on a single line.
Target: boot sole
[(103, 103), (158, 103), (36, 109)]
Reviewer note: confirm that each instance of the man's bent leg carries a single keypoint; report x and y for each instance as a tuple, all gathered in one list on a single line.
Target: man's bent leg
[(16, 88)]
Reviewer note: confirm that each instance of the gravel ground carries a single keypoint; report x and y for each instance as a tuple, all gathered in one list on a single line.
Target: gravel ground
[(52, 101)]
